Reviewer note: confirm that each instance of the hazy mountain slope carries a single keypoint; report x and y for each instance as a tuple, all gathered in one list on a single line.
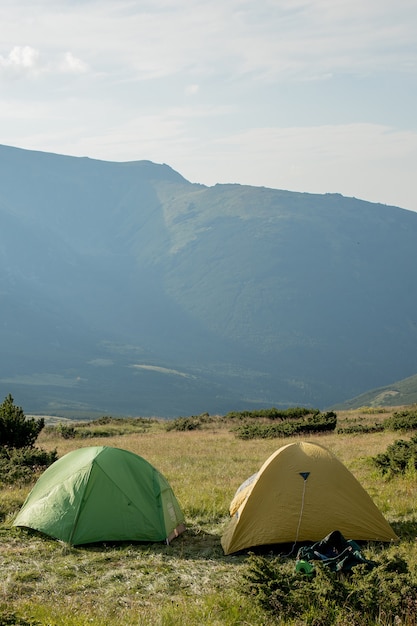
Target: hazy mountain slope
[(400, 393), (322, 280), (125, 288)]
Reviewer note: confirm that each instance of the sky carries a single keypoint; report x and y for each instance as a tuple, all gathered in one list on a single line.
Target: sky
[(315, 96)]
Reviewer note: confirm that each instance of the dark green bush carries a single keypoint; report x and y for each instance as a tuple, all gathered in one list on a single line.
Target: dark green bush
[(312, 423), (273, 413), (70, 432), (102, 427), (19, 459), (10, 618), (351, 429), (88, 433), (398, 457), (184, 423), (17, 431), (402, 420), (66, 432), (386, 594), (18, 465), (193, 422)]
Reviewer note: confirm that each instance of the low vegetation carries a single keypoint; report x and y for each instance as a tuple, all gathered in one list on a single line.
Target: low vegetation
[(296, 413), (400, 457), (17, 431), (189, 423), (102, 427), (311, 423), (191, 581), (403, 420), (20, 460), (386, 594)]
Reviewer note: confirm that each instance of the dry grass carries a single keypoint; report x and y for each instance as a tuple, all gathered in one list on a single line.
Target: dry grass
[(191, 581)]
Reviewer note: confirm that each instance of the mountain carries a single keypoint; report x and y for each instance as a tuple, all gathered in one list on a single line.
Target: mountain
[(400, 393), (126, 289)]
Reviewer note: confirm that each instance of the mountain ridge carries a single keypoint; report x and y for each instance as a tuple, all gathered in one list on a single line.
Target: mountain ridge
[(258, 296)]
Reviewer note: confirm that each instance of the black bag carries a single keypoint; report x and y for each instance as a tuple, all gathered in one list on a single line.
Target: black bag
[(338, 553)]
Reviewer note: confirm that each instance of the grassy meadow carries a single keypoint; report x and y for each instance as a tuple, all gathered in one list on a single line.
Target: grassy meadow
[(43, 581)]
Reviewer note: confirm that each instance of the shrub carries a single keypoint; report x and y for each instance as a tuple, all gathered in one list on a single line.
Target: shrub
[(371, 410), (398, 457), (313, 423), (19, 459), (17, 465), (362, 597), (401, 420), (66, 432), (16, 431), (102, 427), (184, 423), (10, 618), (88, 433), (188, 423), (352, 429), (273, 413)]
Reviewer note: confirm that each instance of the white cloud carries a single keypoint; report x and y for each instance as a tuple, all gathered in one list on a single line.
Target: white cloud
[(24, 61), (21, 60), (275, 40), (25, 56), (72, 64), (272, 89)]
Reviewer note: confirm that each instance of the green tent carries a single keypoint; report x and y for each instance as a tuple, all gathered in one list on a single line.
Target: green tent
[(102, 494)]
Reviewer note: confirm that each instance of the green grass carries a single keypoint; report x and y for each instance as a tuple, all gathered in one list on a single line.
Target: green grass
[(189, 582)]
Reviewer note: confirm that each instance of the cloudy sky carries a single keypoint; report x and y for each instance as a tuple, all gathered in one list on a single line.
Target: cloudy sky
[(305, 95)]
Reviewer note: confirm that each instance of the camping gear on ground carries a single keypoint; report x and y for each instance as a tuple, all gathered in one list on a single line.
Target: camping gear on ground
[(336, 552), (101, 493), (301, 493), (304, 567)]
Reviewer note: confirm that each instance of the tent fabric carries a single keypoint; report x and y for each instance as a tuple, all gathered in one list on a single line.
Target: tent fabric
[(99, 494), (301, 493), (242, 493)]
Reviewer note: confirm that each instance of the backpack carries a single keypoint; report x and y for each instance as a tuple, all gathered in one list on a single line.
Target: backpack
[(336, 552)]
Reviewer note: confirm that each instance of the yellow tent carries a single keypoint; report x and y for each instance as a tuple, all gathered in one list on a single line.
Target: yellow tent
[(302, 493)]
